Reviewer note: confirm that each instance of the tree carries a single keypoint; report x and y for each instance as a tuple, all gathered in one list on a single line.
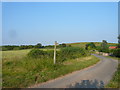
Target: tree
[(63, 45), (39, 45), (118, 41), (90, 46), (104, 46), (116, 52), (119, 38)]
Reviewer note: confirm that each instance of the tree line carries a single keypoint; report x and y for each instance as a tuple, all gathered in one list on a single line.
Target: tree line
[(21, 47)]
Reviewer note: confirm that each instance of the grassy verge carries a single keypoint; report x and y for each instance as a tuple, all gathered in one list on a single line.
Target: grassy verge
[(116, 58), (115, 82), (24, 72)]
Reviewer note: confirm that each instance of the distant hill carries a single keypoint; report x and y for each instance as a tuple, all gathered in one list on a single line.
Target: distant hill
[(82, 44)]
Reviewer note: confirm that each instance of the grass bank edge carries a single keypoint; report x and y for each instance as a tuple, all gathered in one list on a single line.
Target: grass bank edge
[(115, 81)]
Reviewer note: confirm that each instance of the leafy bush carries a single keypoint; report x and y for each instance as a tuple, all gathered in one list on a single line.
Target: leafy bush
[(49, 53), (62, 55), (36, 53), (4, 49), (71, 53), (16, 48), (100, 49), (116, 52), (90, 46)]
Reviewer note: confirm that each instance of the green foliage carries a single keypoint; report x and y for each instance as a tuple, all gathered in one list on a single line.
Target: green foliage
[(111, 50), (39, 45), (104, 45), (118, 45), (16, 48), (119, 38), (100, 49), (36, 53), (8, 47), (49, 46), (116, 52), (90, 46), (4, 49), (62, 55), (49, 53), (62, 45), (114, 83), (24, 72), (71, 53)]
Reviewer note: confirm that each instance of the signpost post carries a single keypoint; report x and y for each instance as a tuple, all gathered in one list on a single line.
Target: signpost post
[(55, 52)]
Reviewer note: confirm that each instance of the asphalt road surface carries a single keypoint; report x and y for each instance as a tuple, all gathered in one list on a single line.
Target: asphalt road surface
[(96, 76)]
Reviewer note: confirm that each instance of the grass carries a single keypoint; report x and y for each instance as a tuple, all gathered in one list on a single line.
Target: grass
[(82, 44), (21, 71), (115, 81), (116, 58), (17, 53)]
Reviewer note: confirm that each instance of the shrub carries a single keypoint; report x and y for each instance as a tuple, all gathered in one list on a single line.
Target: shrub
[(106, 50), (16, 48), (90, 46), (71, 53), (49, 53), (4, 49), (62, 55), (116, 52), (100, 49), (36, 53)]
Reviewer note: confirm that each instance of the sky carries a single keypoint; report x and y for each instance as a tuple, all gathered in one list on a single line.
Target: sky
[(27, 23)]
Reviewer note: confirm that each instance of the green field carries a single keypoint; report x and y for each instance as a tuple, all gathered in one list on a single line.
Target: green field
[(82, 44), (20, 71), (17, 53)]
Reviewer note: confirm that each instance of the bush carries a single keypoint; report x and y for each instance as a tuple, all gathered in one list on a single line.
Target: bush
[(116, 52), (90, 46), (36, 53), (71, 53), (4, 49), (62, 55), (16, 48), (106, 50), (49, 53), (100, 49)]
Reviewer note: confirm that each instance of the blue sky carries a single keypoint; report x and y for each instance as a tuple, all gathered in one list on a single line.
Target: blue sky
[(65, 22)]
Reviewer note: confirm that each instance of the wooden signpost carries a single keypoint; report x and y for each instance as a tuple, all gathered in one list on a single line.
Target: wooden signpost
[(55, 52)]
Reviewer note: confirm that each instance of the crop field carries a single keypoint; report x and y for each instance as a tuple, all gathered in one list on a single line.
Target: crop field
[(19, 70), (82, 44), (17, 53)]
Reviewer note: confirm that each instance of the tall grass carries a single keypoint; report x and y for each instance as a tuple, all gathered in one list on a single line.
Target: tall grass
[(115, 81), (27, 71)]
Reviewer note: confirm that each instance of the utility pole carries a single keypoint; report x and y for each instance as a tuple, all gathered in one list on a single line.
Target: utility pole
[(55, 52)]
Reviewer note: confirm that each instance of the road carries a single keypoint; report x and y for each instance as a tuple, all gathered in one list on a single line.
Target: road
[(96, 76)]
